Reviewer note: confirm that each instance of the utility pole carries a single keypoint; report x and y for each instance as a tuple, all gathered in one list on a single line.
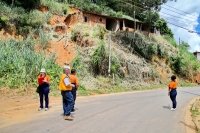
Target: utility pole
[(134, 18), (109, 65)]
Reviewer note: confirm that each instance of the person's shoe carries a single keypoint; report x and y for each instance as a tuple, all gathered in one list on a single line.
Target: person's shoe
[(39, 109), (46, 109), (73, 110), (68, 118), (172, 109)]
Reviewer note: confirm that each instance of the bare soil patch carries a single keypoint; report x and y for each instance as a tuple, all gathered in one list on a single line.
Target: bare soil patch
[(189, 124), (19, 109)]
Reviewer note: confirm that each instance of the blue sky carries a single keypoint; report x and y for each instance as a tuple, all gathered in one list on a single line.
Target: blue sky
[(189, 19), (198, 26)]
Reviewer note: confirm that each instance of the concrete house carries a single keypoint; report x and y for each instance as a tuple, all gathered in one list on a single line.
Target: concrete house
[(197, 55), (110, 23)]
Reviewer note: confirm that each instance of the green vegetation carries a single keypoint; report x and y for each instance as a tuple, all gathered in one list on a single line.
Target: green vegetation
[(28, 4), (20, 65), (78, 64), (185, 64), (100, 60), (19, 21), (161, 25)]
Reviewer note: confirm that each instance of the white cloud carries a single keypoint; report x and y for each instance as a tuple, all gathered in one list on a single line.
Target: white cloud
[(187, 21)]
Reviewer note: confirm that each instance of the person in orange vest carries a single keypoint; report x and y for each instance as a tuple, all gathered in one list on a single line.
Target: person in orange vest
[(65, 87), (172, 91), (43, 81), (74, 80)]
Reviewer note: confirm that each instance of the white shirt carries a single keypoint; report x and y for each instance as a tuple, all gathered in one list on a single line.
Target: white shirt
[(66, 81)]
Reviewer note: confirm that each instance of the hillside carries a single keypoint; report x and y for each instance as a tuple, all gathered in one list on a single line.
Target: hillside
[(50, 36)]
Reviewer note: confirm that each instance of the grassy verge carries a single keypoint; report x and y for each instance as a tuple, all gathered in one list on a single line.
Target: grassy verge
[(84, 92), (195, 113)]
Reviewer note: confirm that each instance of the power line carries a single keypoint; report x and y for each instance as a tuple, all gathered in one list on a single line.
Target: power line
[(175, 12), (147, 9), (184, 28), (179, 10), (166, 14), (177, 16), (176, 19)]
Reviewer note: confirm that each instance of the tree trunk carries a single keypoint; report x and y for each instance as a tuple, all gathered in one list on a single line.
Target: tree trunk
[(13, 2)]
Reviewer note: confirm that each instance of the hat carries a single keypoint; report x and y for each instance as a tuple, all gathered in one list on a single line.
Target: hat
[(42, 70), (66, 67)]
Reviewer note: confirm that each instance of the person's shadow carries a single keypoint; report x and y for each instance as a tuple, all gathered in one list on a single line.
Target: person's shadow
[(167, 107)]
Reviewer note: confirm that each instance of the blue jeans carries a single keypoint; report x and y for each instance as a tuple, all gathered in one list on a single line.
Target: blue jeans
[(68, 102), (44, 95), (74, 95), (173, 94)]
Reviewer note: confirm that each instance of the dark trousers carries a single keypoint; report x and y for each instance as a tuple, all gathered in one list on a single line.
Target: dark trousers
[(173, 94), (44, 95), (74, 95), (68, 102)]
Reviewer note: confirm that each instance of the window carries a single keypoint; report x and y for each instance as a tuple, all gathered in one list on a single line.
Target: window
[(100, 20), (85, 19)]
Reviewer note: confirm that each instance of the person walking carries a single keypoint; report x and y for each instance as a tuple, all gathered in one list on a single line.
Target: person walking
[(43, 81), (74, 80), (172, 91), (66, 87)]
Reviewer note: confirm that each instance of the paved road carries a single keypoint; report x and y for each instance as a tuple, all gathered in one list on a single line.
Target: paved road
[(135, 112)]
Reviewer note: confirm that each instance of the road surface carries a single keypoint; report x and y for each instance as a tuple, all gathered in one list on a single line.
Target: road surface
[(132, 112)]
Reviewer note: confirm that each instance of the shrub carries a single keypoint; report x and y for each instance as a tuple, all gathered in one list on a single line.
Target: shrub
[(77, 63), (151, 51), (20, 65), (100, 31), (55, 7), (43, 39), (74, 35), (98, 59), (176, 64), (171, 40), (3, 21)]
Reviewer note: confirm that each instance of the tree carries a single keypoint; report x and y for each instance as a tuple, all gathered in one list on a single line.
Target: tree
[(27, 4), (185, 45), (161, 24)]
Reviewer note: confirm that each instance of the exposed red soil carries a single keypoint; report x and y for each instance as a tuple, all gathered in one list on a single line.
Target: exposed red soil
[(64, 55)]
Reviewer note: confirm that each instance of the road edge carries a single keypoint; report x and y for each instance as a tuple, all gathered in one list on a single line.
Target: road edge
[(189, 123)]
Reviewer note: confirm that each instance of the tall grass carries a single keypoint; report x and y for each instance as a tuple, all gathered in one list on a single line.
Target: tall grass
[(55, 7), (20, 65)]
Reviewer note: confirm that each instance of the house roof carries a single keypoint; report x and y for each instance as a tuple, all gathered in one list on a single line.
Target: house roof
[(196, 52), (107, 16)]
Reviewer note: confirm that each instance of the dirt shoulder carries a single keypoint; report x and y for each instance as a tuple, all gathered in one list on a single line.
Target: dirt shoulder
[(20, 109), (189, 124)]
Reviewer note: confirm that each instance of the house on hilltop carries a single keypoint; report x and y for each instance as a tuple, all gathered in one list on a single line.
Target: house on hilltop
[(109, 22), (197, 55)]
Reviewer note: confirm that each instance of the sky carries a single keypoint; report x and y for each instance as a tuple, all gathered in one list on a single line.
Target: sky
[(186, 14)]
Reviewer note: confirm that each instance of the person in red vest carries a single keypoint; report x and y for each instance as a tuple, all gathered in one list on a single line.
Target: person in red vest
[(44, 81)]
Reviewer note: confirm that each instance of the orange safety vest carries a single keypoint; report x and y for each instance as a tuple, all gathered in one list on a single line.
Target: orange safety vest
[(62, 85)]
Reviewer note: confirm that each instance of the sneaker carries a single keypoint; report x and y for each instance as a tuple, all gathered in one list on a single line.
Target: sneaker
[(73, 110), (39, 109), (172, 109), (46, 109), (68, 118)]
